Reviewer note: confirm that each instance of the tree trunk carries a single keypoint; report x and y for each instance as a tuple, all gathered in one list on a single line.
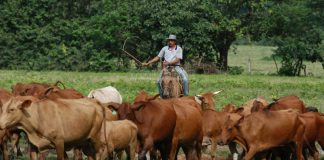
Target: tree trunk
[(223, 48)]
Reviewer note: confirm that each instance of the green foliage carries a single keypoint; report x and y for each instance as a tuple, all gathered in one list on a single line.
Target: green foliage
[(88, 35), (296, 30), (235, 70)]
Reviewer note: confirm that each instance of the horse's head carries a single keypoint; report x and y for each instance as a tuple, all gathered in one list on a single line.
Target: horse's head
[(170, 83)]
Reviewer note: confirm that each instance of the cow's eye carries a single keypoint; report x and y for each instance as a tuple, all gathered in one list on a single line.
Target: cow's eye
[(229, 129), (11, 110)]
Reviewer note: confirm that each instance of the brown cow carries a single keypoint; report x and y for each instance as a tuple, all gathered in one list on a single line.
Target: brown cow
[(264, 130), (54, 123), (53, 93), (29, 89), (213, 121), (245, 109), (287, 102), (188, 132), (155, 119), (314, 131)]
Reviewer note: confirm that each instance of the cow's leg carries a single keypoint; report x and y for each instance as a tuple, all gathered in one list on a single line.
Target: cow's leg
[(32, 151), (14, 140), (77, 154), (5, 154), (59, 146), (132, 149), (198, 148), (299, 141), (313, 151), (174, 147), (232, 147), (250, 154), (148, 144)]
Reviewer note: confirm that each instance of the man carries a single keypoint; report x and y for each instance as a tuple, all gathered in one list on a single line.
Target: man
[(172, 55)]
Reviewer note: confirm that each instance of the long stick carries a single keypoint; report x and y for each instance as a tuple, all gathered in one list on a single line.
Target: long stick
[(136, 60)]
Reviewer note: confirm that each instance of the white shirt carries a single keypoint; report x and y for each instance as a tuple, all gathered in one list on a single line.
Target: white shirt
[(171, 54)]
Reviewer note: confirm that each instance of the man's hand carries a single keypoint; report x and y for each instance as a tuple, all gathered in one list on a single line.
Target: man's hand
[(145, 64), (165, 63)]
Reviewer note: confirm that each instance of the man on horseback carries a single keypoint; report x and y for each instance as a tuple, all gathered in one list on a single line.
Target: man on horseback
[(172, 55)]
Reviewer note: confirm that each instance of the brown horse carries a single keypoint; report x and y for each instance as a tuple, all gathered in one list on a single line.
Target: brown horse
[(171, 83)]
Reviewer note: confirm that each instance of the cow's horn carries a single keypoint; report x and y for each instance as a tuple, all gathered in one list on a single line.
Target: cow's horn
[(217, 92)]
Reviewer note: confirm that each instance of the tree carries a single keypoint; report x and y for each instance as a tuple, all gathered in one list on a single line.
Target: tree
[(297, 30)]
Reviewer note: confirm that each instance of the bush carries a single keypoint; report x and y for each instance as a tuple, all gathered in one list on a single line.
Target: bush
[(235, 70)]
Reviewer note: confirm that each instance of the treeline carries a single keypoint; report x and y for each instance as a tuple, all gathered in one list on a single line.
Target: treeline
[(84, 35)]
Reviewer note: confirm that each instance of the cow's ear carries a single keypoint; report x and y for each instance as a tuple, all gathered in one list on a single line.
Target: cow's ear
[(239, 121), (113, 105), (90, 95), (153, 97), (239, 110), (257, 106), (48, 91), (25, 104), (137, 106)]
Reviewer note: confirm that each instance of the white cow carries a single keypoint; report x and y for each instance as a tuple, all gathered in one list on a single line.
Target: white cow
[(106, 95)]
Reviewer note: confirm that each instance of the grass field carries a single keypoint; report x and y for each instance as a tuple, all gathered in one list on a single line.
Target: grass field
[(262, 63)]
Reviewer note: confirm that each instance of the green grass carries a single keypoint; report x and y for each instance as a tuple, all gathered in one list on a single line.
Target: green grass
[(261, 61), (238, 88)]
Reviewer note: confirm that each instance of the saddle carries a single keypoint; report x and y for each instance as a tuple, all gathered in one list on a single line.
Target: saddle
[(171, 83)]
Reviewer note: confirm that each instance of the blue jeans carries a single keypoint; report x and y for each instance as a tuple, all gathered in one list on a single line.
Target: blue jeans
[(184, 77)]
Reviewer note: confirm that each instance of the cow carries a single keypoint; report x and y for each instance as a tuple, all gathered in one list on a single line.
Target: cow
[(118, 135), (4, 97), (30, 89), (188, 132), (58, 124), (314, 131), (46, 91), (213, 121), (155, 119), (262, 130), (245, 109), (287, 102), (106, 95)]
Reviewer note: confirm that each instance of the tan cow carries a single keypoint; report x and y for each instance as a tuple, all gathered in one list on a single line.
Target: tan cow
[(117, 136), (59, 124), (245, 109)]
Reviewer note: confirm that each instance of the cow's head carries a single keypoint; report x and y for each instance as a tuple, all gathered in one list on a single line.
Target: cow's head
[(229, 108), (141, 99), (125, 111), (14, 110), (257, 106), (207, 100), (230, 128)]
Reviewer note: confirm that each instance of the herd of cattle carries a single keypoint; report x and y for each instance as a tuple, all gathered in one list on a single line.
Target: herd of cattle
[(101, 125)]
